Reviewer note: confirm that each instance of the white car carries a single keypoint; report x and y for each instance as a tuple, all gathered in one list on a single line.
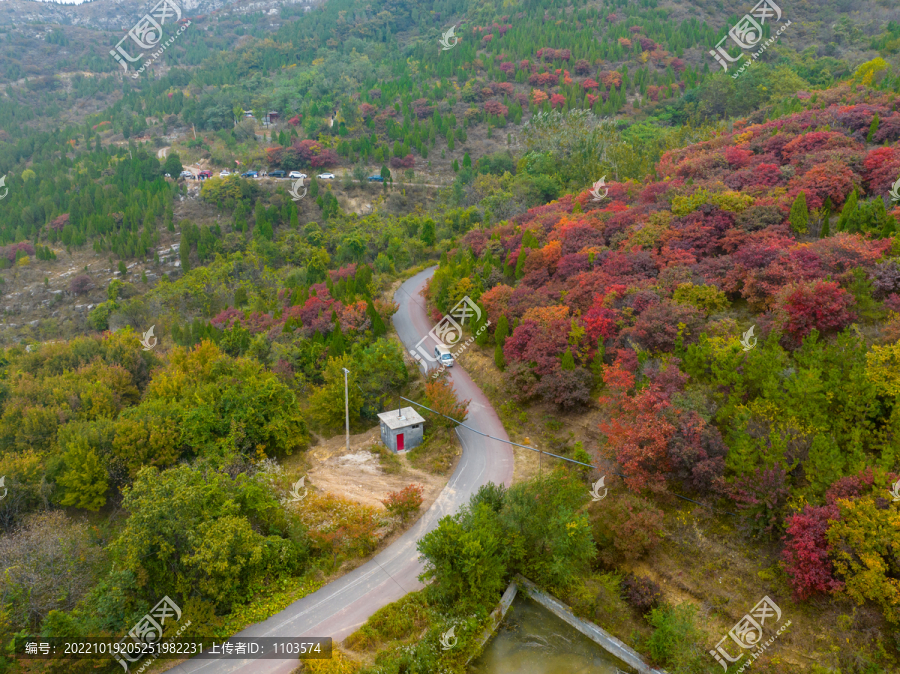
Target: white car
[(325, 176), (297, 174), (187, 174), (225, 173)]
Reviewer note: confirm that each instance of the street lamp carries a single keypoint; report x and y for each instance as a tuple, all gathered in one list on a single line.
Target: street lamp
[(346, 407)]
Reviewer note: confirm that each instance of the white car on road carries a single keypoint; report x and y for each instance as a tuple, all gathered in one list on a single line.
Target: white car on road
[(325, 176), (297, 174), (224, 173)]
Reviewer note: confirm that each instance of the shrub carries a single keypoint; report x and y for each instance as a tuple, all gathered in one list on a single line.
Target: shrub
[(815, 305), (442, 399), (805, 556), (80, 284), (490, 494), (466, 556), (707, 298), (762, 496), (405, 502), (641, 592), (675, 638), (627, 528)]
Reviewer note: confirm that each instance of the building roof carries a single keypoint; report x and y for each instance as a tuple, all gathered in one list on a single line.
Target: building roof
[(402, 418)]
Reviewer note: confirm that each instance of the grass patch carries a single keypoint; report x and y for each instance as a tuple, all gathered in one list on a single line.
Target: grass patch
[(276, 597), (390, 462), (392, 623), (339, 663), (435, 455)]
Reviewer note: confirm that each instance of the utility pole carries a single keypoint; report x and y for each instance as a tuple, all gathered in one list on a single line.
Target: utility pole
[(346, 407)]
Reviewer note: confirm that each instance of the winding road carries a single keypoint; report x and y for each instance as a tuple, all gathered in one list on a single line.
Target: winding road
[(342, 606)]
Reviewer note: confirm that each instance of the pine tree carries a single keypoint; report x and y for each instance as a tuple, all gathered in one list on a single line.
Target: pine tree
[(597, 363), (568, 360), (501, 332), (499, 360), (85, 482), (847, 212), (520, 263), (799, 217), (336, 346), (873, 128)]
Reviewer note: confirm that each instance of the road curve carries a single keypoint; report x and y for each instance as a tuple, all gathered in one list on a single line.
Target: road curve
[(340, 607)]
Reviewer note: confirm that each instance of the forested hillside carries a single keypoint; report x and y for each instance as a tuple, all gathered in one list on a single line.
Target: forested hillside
[(692, 279)]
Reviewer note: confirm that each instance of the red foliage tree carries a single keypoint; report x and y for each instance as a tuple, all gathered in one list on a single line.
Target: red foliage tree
[(806, 551), (496, 108), (582, 67), (589, 84), (638, 433), (557, 101), (367, 111), (816, 305)]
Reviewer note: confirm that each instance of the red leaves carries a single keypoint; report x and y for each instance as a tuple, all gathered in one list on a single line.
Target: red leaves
[(882, 169), (496, 108), (557, 101), (589, 84), (806, 551), (638, 436), (738, 157), (819, 305)]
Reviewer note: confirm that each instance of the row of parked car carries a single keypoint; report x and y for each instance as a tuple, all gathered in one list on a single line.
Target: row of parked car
[(203, 175), (293, 175)]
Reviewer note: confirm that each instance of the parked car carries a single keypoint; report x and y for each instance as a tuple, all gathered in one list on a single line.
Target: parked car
[(442, 353), (325, 176), (250, 174), (224, 173), (203, 175), (186, 174), (168, 176), (277, 174), (297, 174), (376, 179)]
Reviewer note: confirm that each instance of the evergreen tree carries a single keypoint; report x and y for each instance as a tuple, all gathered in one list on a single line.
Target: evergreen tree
[(873, 128), (568, 360), (499, 360), (336, 345), (847, 212), (501, 332), (799, 217), (520, 263), (378, 326), (597, 363)]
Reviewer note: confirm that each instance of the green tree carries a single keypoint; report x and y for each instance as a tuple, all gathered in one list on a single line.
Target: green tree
[(85, 480), (467, 161), (326, 403), (799, 216), (551, 539), (466, 556), (499, 359), (847, 212), (501, 332), (568, 360), (173, 165), (873, 128), (520, 263), (427, 235)]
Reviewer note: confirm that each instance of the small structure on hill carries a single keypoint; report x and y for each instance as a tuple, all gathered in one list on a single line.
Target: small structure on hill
[(401, 429)]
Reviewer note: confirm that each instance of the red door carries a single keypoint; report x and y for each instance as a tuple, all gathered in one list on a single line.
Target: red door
[(400, 442)]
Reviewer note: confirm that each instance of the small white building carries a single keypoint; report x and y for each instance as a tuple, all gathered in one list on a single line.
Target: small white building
[(401, 429)]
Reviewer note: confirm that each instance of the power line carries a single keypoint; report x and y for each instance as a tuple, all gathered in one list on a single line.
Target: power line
[(556, 456)]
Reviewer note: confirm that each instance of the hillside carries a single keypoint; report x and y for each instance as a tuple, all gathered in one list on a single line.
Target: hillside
[(692, 278)]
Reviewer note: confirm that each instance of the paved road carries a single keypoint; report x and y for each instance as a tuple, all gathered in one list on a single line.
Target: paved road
[(339, 608)]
